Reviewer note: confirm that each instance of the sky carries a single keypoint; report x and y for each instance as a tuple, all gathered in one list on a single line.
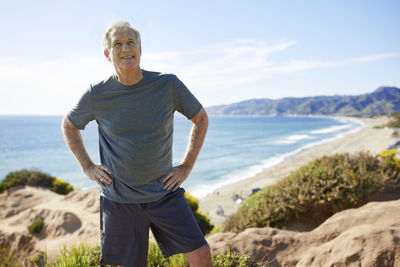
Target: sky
[(224, 51)]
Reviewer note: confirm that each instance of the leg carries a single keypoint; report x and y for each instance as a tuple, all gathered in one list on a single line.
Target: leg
[(200, 257)]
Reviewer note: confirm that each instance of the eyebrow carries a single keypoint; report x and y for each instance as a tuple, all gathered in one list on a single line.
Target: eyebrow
[(117, 40)]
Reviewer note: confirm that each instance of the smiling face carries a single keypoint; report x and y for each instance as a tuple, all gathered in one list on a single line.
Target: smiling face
[(124, 51)]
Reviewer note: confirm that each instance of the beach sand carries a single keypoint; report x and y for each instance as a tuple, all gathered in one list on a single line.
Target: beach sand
[(366, 139)]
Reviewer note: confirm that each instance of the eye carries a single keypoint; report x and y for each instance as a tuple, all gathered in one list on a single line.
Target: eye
[(117, 44)]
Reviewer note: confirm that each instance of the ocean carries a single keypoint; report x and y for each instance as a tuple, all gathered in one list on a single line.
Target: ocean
[(236, 147)]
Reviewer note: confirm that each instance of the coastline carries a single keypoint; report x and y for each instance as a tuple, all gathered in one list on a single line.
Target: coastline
[(365, 138), (235, 176)]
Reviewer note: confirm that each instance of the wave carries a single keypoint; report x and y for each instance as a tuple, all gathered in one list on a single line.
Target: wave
[(201, 190), (294, 139), (332, 129)]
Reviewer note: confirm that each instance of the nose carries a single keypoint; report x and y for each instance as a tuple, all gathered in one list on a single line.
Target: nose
[(125, 46)]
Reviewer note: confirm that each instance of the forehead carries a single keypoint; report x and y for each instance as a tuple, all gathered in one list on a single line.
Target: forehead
[(123, 34)]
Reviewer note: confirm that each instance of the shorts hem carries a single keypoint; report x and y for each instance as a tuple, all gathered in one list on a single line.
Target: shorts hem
[(183, 251)]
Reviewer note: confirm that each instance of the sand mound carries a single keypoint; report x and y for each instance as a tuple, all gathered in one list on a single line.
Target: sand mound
[(369, 235), (67, 219)]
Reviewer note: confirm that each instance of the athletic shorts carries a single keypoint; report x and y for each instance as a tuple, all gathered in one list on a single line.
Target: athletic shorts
[(124, 229)]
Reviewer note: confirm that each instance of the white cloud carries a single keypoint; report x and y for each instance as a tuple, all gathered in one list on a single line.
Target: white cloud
[(51, 87), (224, 68)]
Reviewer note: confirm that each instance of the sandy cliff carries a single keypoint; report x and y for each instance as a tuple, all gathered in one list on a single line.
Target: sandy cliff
[(367, 236)]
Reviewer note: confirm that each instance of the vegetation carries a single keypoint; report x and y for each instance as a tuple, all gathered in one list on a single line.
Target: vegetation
[(390, 160), (61, 187), (7, 258), (36, 226), (323, 186), (202, 219), (395, 121), (35, 178), (83, 255)]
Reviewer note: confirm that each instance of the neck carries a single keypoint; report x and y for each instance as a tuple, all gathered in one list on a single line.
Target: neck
[(130, 77)]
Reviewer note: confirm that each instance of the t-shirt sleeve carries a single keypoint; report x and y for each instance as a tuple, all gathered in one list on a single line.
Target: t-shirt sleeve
[(82, 113), (184, 101)]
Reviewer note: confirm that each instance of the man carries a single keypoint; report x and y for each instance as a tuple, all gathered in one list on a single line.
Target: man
[(139, 186)]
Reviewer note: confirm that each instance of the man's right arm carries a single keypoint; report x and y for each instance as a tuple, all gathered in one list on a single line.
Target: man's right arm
[(73, 138)]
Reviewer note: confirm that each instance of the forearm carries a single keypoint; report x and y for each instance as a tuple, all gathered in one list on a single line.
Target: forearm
[(197, 135), (73, 139)]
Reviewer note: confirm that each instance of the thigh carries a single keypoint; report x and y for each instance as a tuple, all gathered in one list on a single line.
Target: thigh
[(124, 234), (173, 224)]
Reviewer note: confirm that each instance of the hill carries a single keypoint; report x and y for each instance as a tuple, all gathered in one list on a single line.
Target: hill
[(383, 101)]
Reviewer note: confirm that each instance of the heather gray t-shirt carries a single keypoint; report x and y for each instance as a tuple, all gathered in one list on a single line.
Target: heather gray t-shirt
[(135, 125)]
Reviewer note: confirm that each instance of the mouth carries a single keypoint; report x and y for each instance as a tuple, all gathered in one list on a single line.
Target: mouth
[(128, 57)]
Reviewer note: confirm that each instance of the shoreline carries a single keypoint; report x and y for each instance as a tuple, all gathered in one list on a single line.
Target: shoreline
[(237, 176), (364, 138)]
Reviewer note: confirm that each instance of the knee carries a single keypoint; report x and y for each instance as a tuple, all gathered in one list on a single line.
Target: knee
[(199, 257)]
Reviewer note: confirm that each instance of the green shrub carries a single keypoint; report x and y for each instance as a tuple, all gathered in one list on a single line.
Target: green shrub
[(8, 259), (394, 120), (192, 201), (61, 187), (34, 178), (389, 157), (322, 187), (83, 255), (201, 218), (36, 226), (155, 258), (233, 259)]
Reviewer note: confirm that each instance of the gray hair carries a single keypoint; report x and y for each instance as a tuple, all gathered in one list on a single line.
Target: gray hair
[(119, 26)]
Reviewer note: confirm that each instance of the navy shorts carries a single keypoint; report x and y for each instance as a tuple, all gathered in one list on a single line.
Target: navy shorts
[(124, 229)]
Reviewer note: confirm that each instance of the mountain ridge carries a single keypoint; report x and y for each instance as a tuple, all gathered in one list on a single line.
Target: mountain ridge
[(384, 100)]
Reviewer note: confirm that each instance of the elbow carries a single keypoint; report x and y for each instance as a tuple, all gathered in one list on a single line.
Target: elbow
[(67, 125), (201, 119)]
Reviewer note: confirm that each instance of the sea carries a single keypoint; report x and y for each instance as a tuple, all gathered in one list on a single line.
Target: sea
[(236, 147)]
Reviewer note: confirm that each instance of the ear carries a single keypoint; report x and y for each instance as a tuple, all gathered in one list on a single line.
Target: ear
[(107, 55), (140, 49)]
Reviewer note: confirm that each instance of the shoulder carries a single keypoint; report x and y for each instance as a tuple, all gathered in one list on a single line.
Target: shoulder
[(98, 86), (154, 75)]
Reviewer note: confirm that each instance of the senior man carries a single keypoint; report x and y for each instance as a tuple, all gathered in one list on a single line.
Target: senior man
[(140, 189)]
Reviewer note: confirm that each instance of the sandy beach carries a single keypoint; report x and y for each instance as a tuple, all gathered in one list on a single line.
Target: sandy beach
[(365, 139)]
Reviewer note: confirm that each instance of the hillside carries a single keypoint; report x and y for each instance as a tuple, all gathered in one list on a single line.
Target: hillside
[(384, 100)]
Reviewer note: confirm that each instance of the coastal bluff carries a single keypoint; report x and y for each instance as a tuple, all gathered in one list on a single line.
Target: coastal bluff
[(369, 235), (366, 236)]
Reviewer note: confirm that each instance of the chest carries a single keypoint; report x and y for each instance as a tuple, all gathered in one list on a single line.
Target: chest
[(136, 110)]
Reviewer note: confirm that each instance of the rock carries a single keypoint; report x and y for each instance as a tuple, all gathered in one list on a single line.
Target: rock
[(366, 236)]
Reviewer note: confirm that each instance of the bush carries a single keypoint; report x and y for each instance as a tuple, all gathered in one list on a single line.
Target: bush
[(233, 259), (61, 187), (394, 120), (7, 258), (321, 187), (192, 201), (389, 157), (81, 255), (35, 178), (36, 226), (84, 256), (201, 218)]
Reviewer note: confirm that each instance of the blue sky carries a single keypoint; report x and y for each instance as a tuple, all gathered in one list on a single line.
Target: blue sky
[(224, 51)]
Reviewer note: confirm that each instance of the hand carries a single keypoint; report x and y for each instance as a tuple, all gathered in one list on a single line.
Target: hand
[(99, 174), (174, 180)]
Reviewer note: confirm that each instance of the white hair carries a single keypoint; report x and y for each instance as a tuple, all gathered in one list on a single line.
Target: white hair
[(119, 26)]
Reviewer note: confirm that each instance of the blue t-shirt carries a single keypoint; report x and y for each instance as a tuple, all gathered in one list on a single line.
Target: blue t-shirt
[(135, 125)]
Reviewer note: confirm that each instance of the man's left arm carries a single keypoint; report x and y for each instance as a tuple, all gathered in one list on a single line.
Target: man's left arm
[(180, 173)]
